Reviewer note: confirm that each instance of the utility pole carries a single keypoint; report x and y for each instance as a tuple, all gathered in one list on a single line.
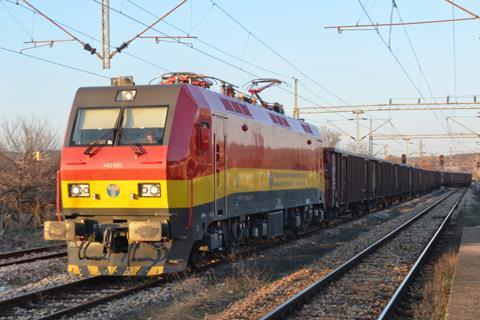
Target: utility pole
[(296, 111), (421, 154), (370, 139), (357, 114), (407, 142), (105, 8), (476, 165), (385, 151), (106, 55)]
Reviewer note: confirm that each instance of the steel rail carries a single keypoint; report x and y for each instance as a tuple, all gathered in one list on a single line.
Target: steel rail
[(42, 294), (402, 289), (13, 254), (36, 258), (38, 294), (92, 303), (298, 300)]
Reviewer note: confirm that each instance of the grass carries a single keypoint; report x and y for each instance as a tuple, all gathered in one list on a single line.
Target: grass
[(435, 292), (209, 295)]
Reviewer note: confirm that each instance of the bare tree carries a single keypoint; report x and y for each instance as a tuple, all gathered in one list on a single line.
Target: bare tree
[(355, 147), (331, 137), (29, 160)]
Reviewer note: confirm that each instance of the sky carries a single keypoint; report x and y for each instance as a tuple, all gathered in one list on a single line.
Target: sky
[(281, 39)]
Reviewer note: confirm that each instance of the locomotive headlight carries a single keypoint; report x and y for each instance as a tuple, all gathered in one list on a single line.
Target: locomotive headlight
[(149, 189), (125, 95), (79, 190)]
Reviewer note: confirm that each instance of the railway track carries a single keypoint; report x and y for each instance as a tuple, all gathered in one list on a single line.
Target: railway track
[(73, 297), (30, 255), (366, 274), (81, 295)]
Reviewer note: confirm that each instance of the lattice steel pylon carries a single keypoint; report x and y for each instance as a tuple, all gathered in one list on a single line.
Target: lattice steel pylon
[(106, 55), (296, 111), (105, 10)]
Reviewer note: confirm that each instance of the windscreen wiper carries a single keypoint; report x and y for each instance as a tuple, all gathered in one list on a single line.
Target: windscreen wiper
[(88, 151), (136, 147)]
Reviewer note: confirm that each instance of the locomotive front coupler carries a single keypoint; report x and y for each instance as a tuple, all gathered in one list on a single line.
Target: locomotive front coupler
[(112, 236)]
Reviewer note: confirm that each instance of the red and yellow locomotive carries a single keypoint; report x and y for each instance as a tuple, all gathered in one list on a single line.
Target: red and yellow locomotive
[(153, 177)]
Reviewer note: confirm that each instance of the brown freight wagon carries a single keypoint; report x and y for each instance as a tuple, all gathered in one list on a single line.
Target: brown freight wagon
[(356, 183), (346, 177)]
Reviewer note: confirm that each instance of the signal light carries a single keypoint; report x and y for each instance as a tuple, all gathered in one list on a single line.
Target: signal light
[(37, 156)]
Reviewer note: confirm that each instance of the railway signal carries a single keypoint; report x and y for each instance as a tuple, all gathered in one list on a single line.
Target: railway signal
[(37, 156)]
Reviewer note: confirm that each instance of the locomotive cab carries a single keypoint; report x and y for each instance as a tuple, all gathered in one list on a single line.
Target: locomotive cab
[(114, 192)]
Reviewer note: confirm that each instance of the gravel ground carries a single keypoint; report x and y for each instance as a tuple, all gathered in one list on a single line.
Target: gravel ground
[(181, 300), (336, 246), (24, 239), (32, 255), (15, 279), (55, 302), (269, 275), (364, 290), (18, 279), (126, 308), (415, 305)]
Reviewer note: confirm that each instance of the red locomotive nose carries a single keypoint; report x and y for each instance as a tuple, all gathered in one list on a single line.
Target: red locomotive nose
[(114, 163)]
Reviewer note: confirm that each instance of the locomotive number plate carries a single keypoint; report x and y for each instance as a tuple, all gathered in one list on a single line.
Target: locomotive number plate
[(113, 165)]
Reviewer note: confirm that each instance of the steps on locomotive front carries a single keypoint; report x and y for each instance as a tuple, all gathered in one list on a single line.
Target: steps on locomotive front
[(464, 302)]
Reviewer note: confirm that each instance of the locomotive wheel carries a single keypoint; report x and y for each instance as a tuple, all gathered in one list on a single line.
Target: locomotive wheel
[(197, 258), (366, 209)]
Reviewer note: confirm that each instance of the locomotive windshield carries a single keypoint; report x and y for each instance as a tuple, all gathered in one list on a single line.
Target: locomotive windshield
[(143, 125), (138, 125), (93, 125)]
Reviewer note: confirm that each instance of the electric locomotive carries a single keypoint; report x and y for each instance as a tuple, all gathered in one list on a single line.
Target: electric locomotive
[(155, 177)]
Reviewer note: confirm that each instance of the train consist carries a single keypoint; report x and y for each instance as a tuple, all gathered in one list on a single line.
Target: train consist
[(154, 178)]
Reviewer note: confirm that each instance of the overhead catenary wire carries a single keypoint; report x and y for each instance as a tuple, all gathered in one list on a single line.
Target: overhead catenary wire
[(278, 54), (246, 62), (146, 61), (199, 22), (309, 100), (454, 51), (209, 54), (85, 45), (397, 60), (148, 27), (92, 38), (30, 34), (362, 15), (211, 46), (417, 60), (402, 67), (53, 62)]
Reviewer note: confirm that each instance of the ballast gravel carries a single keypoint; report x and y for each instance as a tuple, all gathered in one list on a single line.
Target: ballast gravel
[(18, 279), (284, 262), (292, 266), (363, 291), (266, 298)]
